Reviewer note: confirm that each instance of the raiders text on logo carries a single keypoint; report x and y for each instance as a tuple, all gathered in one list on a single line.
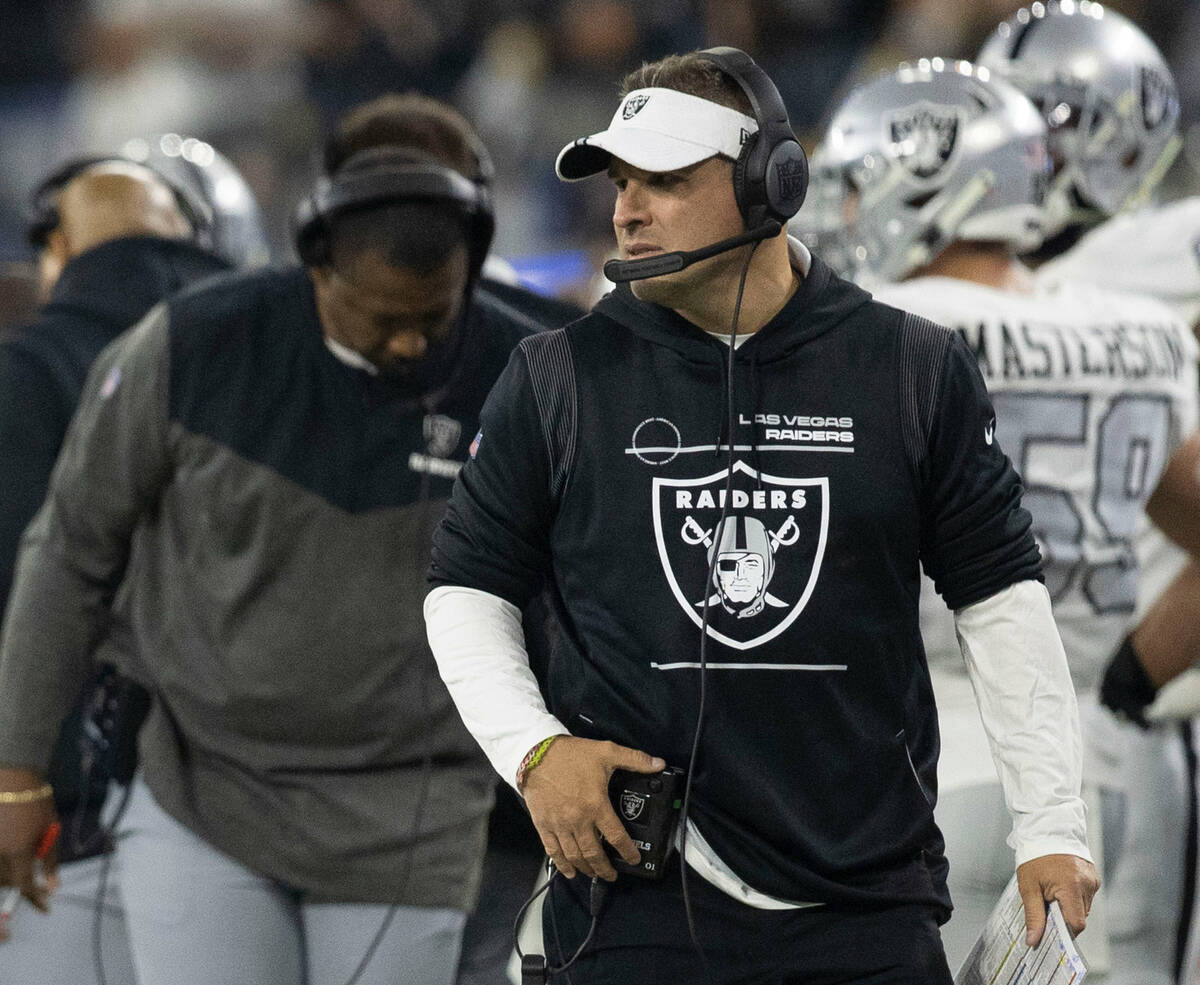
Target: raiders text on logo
[(632, 805), (923, 137), (765, 556), (634, 106)]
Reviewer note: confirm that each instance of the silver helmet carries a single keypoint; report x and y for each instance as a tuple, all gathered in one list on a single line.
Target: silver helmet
[(821, 223), (220, 205), (934, 152), (1108, 97)]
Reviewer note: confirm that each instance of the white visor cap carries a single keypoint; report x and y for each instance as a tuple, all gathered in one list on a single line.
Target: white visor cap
[(658, 130)]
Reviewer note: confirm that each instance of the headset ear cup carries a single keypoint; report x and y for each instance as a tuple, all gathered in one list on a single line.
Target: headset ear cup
[(483, 224), (312, 242), (480, 232)]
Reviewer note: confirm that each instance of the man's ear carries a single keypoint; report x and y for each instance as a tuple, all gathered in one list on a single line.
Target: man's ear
[(320, 276), (58, 245), (52, 257)]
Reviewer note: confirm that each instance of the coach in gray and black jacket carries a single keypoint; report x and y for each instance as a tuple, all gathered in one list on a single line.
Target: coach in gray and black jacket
[(263, 459)]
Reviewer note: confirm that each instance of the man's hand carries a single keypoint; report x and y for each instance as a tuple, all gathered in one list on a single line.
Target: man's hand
[(21, 828), (1067, 878), (567, 797)]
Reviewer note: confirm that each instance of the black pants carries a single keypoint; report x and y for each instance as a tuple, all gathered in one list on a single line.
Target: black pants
[(642, 937)]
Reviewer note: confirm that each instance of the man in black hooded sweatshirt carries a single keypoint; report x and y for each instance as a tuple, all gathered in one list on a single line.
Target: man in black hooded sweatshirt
[(734, 537)]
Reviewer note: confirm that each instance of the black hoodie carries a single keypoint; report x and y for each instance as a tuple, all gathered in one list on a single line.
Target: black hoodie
[(863, 445), (43, 366)]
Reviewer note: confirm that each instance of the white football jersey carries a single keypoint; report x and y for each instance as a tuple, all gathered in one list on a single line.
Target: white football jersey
[(1092, 391), (1154, 252)]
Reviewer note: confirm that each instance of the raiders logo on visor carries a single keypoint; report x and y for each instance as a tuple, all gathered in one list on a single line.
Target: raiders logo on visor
[(633, 106)]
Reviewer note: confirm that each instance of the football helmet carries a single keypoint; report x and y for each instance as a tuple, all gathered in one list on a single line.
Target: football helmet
[(1109, 101), (934, 152), (821, 223), (217, 199)]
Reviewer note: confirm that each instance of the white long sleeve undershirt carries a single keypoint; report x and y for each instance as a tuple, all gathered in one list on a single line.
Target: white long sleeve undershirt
[(1014, 658), (1022, 684)]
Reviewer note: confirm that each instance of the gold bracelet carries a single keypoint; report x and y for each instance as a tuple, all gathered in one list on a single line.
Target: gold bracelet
[(532, 758), (26, 796)]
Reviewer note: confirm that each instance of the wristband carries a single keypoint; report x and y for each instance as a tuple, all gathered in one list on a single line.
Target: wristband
[(26, 796), (1126, 688), (531, 760)]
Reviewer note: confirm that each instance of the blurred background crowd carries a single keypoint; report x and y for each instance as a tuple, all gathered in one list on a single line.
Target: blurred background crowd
[(263, 80)]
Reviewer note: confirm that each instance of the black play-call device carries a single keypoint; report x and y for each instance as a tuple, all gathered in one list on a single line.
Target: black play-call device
[(648, 805)]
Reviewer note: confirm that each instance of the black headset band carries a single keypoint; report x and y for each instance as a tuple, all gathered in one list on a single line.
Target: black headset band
[(771, 172), (392, 174), (404, 183), (765, 102), (43, 200)]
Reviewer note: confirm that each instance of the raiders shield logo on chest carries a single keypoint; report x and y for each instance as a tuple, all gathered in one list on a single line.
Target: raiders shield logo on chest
[(764, 557)]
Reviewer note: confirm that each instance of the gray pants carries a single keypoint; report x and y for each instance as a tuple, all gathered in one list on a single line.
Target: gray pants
[(56, 947), (197, 917)]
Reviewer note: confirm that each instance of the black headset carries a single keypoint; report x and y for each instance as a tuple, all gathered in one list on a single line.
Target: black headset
[(770, 175), (43, 215), (390, 174)]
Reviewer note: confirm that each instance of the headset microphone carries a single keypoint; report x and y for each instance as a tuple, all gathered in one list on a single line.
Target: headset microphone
[(619, 271)]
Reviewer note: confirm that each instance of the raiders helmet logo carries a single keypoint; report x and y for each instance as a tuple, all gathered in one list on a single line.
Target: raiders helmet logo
[(632, 805), (633, 106), (1157, 98), (923, 137), (765, 556), (441, 434)]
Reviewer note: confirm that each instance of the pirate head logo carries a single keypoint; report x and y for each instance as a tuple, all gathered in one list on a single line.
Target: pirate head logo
[(765, 555), (632, 805), (441, 434), (633, 106), (923, 137), (745, 562), (1157, 98)]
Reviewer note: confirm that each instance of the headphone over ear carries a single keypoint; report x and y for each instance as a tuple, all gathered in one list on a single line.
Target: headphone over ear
[(390, 174), (770, 175), (44, 218)]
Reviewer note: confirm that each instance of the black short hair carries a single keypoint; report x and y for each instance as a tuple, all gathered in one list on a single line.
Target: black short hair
[(693, 74), (418, 236), (407, 121)]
